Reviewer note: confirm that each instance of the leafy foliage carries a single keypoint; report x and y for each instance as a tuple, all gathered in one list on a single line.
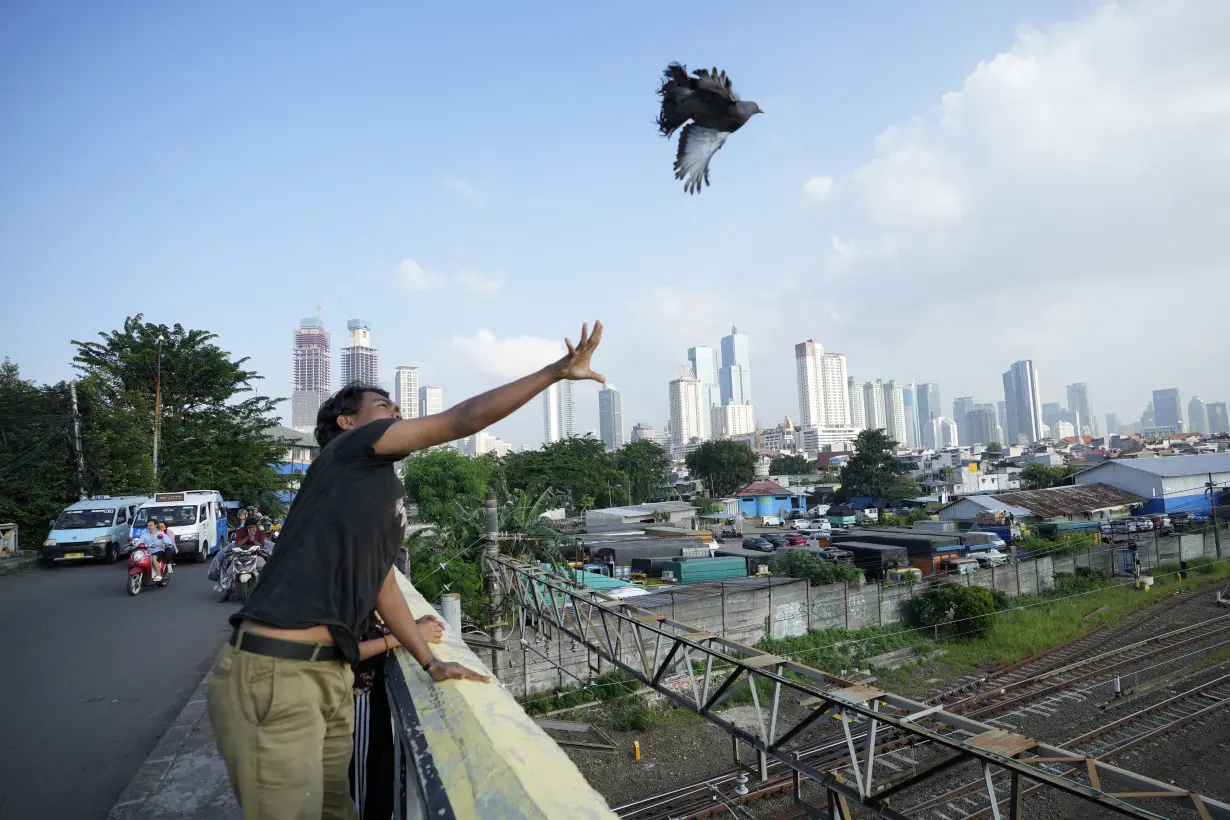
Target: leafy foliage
[(215, 430), (995, 448), (575, 467), (705, 505), (37, 470), (724, 466), (873, 471), (1041, 476), (961, 610), (817, 570), (789, 465), (438, 480), (646, 469)]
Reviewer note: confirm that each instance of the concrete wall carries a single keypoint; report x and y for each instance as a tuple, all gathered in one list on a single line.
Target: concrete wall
[(792, 608)]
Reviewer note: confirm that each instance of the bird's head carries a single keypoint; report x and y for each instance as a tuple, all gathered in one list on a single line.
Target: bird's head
[(747, 109)]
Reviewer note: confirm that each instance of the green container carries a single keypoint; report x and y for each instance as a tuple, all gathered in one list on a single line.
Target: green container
[(695, 570)]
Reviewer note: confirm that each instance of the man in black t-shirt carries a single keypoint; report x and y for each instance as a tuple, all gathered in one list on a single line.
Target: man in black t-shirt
[(280, 699)]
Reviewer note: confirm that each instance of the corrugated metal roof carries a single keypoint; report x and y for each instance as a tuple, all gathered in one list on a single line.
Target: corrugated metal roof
[(1173, 466), (1059, 501), (989, 502), (763, 487), (710, 589)]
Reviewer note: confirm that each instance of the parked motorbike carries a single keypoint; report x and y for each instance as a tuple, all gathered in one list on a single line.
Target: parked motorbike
[(141, 571), (239, 571)]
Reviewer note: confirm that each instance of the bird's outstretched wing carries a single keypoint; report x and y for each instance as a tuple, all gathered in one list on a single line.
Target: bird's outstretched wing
[(715, 82), (697, 145)]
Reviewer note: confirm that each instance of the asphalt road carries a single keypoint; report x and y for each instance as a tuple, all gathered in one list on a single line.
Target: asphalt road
[(92, 678)]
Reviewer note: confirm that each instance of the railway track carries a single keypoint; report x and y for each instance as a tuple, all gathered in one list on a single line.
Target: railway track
[(1039, 685), (972, 800)]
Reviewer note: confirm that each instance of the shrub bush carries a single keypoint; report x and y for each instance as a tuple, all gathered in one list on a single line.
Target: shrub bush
[(802, 564), (960, 610), (634, 716), (1204, 565), (974, 612), (933, 607)]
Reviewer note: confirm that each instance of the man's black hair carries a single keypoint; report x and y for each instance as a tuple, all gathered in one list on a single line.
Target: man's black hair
[(345, 402)]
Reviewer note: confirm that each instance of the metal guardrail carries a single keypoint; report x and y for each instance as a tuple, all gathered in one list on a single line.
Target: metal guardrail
[(649, 647)]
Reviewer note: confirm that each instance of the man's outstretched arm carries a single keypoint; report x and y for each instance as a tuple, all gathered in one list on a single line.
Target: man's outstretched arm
[(480, 412)]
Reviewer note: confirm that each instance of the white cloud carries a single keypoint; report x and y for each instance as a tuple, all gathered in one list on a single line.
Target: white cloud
[(1084, 163), (463, 190), (510, 357), (478, 284), (818, 189), (414, 276)]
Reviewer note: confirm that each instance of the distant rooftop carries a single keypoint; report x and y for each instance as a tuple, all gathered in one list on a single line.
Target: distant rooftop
[(1174, 466), (1057, 501)]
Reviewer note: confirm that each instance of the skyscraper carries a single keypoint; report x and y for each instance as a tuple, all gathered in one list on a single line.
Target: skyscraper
[(1197, 416), (686, 412), (1219, 419), (1079, 401), (704, 363), (822, 381), (313, 373), (961, 407), (1112, 423), (1023, 405), (1001, 415), (735, 376), (894, 412), (873, 405), (854, 392), (982, 424), (611, 417), (912, 434), (406, 391), (1167, 408), (360, 361), (939, 432), (730, 420), (558, 412), (1052, 414), (431, 400), (929, 404)]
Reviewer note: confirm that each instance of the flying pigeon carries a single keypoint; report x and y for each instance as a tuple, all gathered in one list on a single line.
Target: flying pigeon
[(709, 100)]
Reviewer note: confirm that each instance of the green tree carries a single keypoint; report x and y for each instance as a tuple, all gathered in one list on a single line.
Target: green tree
[(1042, 476), (789, 465), (873, 470), (995, 449), (37, 467), (574, 467), (215, 431), (441, 479), (974, 613), (724, 466), (813, 568), (705, 505), (646, 468)]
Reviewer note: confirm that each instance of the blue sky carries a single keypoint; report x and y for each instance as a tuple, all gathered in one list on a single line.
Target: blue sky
[(476, 180)]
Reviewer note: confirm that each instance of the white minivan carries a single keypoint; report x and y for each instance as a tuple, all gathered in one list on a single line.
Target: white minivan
[(196, 518), (96, 528)]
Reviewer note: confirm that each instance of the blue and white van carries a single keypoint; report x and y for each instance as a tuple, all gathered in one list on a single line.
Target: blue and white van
[(197, 519), (96, 528)]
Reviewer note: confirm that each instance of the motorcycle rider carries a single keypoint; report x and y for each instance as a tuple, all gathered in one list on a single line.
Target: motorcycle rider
[(157, 543), (250, 534)]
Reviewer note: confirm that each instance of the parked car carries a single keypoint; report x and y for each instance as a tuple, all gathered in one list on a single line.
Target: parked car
[(989, 558), (757, 544), (808, 524), (774, 539), (771, 521), (1143, 524), (795, 540)]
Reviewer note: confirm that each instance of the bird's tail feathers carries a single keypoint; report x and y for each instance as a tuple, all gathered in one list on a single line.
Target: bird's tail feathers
[(674, 91)]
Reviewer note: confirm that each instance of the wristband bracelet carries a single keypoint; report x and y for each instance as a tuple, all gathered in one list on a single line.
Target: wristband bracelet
[(429, 664), (386, 643)]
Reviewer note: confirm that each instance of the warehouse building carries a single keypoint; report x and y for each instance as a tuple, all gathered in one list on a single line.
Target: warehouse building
[(1167, 484), (1090, 502)]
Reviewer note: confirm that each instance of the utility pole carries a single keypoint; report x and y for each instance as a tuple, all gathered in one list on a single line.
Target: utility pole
[(1212, 489), (77, 447), (157, 408), (495, 597)]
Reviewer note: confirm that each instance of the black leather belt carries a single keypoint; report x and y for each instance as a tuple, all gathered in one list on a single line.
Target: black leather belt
[(286, 650)]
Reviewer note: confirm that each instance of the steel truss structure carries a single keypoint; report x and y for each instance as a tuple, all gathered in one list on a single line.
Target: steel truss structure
[(650, 647)]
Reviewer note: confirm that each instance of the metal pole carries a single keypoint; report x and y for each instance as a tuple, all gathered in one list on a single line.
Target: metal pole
[(77, 447), (450, 608), (157, 408), (1213, 511), (495, 597)]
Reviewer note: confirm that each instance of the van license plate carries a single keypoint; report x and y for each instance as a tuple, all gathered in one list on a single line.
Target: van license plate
[(74, 555)]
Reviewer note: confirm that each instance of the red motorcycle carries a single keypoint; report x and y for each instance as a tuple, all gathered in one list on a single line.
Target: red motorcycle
[(141, 570)]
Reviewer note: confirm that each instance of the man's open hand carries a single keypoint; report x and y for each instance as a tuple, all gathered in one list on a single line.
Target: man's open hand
[(575, 365), (446, 670), (430, 628)]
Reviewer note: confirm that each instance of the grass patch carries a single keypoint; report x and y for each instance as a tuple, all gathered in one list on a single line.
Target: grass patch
[(610, 686)]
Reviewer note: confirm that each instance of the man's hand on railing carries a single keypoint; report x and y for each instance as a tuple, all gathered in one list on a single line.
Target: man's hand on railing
[(447, 670), (430, 628)]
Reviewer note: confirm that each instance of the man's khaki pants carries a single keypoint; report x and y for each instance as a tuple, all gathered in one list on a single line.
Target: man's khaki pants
[(284, 729)]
